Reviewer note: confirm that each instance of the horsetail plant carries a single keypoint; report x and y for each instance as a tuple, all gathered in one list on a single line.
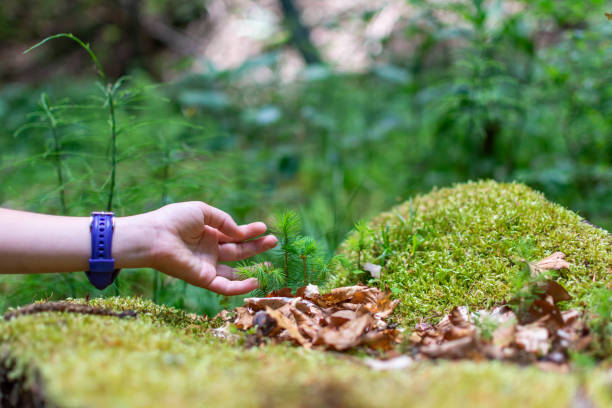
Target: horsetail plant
[(57, 150), (109, 90)]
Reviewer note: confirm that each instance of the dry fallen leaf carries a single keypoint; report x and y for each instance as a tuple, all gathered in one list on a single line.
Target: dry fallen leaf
[(556, 261), (244, 319), (345, 317), (354, 316), (347, 335), (544, 334), (291, 328), (451, 349)]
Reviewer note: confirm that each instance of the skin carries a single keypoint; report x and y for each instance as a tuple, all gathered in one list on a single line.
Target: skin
[(186, 240)]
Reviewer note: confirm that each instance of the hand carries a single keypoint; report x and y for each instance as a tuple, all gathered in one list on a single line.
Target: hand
[(193, 237)]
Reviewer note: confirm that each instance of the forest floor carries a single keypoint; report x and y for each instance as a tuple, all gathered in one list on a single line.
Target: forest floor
[(162, 357), (464, 246)]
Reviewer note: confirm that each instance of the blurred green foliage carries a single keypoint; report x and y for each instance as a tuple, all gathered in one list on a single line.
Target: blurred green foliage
[(483, 94)]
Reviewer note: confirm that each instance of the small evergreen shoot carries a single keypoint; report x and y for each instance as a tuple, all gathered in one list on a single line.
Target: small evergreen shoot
[(298, 261)]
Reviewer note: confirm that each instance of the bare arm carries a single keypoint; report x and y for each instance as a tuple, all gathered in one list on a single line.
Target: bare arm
[(185, 240)]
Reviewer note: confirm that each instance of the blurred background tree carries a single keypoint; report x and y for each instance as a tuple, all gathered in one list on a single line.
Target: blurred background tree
[(336, 109)]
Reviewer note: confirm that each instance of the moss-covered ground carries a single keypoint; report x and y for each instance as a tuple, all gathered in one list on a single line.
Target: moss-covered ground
[(456, 246), (463, 246), (165, 358)]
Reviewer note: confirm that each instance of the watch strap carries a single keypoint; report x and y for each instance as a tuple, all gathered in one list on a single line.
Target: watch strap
[(102, 270)]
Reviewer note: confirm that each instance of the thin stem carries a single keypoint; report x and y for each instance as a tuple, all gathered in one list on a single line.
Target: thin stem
[(165, 175), (157, 283), (58, 167), (286, 265), (86, 47), (156, 286), (111, 106), (57, 151), (305, 269)]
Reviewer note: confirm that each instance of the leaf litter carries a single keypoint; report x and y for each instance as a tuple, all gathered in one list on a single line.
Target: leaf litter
[(343, 319), (356, 317)]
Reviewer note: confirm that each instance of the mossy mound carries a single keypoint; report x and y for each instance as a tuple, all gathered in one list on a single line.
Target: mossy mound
[(166, 358), (460, 246)]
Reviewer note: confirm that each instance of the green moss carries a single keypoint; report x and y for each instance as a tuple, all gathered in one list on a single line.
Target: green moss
[(98, 361), (459, 245), (454, 246)]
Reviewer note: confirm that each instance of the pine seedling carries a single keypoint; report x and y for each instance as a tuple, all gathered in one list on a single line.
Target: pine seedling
[(306, 248), (268, 277), (287, 225), (298, 262)]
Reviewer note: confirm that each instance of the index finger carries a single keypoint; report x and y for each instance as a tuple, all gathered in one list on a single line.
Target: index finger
[(222, 221)]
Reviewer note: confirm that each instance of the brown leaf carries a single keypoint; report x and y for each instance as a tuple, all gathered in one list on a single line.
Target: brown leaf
[(309, 308), (451, 349), (554, 290), (359, 309), (347, 335), (284, 292), (263, 303), (555, 261), (340, 317), (290, 327), (338, 295), (244, 320), (459, 332), (366, 296), (383, 307), (383, 339), (539, 309), (460, 316), (609, 16), (307, 325)]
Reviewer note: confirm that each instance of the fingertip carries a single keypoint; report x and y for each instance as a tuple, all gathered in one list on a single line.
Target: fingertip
[(270, 241)]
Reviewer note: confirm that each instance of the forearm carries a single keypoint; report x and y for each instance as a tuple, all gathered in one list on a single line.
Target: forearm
[(38, 243)]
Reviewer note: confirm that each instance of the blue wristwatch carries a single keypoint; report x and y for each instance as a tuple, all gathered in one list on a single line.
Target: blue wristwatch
[(102, 270)]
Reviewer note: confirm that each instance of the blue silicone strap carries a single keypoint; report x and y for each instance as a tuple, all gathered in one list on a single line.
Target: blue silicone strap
[(102, 270)]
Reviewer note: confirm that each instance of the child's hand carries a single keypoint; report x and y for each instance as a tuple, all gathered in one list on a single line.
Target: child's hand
[(191, 239)]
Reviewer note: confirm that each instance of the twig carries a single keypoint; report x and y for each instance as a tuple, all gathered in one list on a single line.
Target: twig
[(66, 307)]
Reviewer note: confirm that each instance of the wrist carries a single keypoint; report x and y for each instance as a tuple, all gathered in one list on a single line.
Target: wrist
[(132, 241)]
